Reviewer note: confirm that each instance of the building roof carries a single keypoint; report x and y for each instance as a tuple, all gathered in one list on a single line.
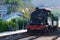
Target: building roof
[(12, 15)]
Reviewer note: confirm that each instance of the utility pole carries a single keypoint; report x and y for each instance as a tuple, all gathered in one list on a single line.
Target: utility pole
[(23, 19), (17, 23)]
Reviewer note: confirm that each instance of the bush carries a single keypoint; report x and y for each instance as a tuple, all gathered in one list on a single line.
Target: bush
[(11, 25), (3, 26), (20, 22)]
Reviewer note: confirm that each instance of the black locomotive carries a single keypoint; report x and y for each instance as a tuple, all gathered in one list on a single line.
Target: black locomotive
[(39, 20)]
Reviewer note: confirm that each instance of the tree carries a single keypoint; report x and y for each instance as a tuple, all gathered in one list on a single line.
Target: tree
[(20, 5), (6, 1), (13, 4), (24, 4)]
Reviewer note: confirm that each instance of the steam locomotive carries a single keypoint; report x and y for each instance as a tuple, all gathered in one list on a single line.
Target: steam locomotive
[(39, 21)]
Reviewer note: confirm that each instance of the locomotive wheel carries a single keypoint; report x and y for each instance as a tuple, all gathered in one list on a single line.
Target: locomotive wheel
[(55, 27), (31, 32), (50, 29), (36, 32)]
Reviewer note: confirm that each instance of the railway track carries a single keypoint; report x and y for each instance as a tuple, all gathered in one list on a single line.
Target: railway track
[(51, 36), (25, 36)]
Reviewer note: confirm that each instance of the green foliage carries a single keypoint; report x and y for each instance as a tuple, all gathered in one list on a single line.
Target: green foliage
[(6, 1), (23, 5), (12, 24), (25, 23), (11, 1), (3, 26), (20, 22), (13, 4)]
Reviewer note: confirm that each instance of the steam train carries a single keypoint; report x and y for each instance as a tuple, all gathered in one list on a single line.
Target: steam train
[(39, 21)]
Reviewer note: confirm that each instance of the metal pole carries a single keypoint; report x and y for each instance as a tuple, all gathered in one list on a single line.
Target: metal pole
[(17, 23), (23, 22)]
